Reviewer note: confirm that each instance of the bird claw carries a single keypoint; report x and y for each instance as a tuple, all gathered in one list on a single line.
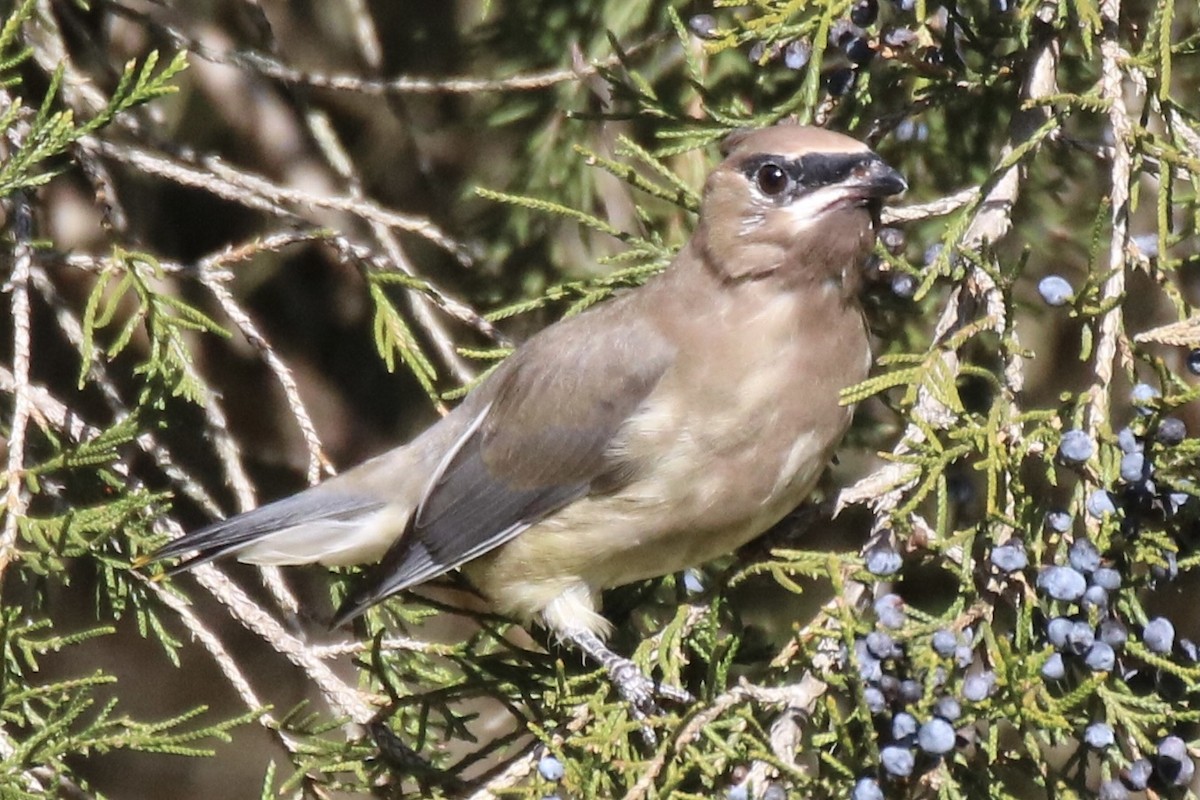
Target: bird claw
[(641, 693), (635, 688)]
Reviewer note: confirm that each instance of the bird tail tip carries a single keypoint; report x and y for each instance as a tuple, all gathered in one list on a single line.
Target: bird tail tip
[(353, 606)]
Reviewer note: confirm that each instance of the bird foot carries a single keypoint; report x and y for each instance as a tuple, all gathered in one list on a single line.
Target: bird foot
[(634, 686), (642, 693)]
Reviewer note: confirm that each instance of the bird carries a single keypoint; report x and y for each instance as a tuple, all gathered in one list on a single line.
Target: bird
[(651, 433)]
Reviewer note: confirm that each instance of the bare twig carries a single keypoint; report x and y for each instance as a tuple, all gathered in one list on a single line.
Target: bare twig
[(50, 411), (225, 662), (1187, 134), (317, 461), (344, 700), (230, 456), (883, 489), (331, 146), (800, 695), (254, 191), (272, 68), (386, 644), (46, 410), (353, 253), (1111, 326), (365, 33), (18, 285), (72, 329), (934, 208), (1185, 333)]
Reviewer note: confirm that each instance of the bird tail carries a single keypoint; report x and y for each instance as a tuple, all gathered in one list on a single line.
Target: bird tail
[(313, 526)]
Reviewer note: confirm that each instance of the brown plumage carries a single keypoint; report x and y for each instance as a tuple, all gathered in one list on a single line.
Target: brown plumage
[(654, 432)]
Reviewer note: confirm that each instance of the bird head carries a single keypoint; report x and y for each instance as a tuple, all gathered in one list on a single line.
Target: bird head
[(795, 202)]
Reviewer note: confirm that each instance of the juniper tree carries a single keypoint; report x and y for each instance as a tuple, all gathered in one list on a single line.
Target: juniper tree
[(245, 245)]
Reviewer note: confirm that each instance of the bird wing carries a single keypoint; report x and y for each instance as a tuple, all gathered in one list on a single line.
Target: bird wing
[(228, 535), (543, 439)]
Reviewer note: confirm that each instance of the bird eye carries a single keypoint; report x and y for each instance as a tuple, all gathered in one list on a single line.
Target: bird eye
[(771, 179)]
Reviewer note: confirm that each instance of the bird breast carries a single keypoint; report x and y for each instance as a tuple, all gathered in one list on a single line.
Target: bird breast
[(727, 444)]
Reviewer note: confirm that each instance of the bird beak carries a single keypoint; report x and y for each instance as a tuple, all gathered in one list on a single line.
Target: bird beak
[(876, 179)]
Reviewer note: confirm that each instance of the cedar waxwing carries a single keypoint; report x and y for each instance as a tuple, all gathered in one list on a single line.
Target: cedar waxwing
[(649, 434)]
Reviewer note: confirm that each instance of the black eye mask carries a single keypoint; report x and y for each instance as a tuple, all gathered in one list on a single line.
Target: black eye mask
[(811, 171)]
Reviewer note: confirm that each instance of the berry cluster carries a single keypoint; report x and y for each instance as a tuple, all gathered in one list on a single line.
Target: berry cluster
[(1136, 495), (1170, 766), (917, 710), (1086, 615), (1089, 630), (858, 39)]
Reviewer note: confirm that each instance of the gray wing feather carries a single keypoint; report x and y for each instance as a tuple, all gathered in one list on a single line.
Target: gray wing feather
[(542, 440), (231, 534)]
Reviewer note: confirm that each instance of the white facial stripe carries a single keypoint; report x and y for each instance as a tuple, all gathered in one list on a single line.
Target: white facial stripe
[(801, 213), (806, 210)]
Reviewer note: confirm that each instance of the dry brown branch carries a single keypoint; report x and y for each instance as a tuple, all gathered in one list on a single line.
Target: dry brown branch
[(883, 489), (386, 644), (1176, 334), (353, 253), (225, 661), (935, 208), (71, 327), (230, 455), (366, 35), (49, 411), (1189, 135)]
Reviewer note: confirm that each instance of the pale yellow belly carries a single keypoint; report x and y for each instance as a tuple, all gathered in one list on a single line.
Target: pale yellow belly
[(678, 517)]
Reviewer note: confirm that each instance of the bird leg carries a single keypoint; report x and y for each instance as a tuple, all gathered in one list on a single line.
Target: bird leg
[(634, 686)]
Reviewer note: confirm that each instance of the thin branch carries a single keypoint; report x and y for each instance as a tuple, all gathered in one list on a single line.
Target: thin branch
[(230, 456), (50, 411), (72, 329), (254, 191), (1187, 134), (934, 208), (272, 68), (395, 644), (366, 34), (317, 460), (18, 285), (225, 662), (883, 489), (46, 410), (342, 699), (331, 147), (1112, 88), (352, 253)]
